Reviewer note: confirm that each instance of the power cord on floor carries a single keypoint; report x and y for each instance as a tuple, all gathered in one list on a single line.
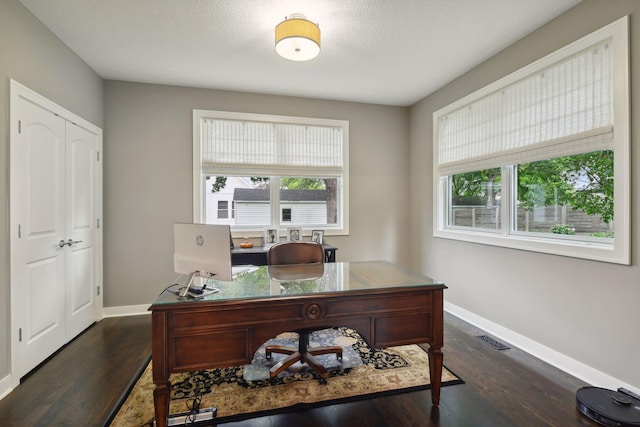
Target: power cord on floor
[(193, 405)]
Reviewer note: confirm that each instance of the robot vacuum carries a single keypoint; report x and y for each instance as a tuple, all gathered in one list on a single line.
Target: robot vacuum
[(610, 408)]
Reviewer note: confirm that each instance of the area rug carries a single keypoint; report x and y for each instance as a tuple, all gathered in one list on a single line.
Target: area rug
[(242, 392)]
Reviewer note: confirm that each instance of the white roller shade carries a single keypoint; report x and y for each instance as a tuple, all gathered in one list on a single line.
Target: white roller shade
[(563, 109), (270, 147)]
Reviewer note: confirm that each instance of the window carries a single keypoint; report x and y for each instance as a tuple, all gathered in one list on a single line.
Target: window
[(475, 200), (539, 159), (223, 209), (286, 214), (274, 171)]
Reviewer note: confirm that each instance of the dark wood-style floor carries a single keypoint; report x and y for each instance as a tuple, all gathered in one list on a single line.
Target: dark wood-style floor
[(82, 383)]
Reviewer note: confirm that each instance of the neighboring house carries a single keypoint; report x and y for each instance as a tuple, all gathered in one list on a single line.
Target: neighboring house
[(239, 203), (219, 208), (297, 207)]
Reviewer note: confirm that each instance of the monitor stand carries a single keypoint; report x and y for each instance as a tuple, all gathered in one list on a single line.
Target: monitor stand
[(199, 290)]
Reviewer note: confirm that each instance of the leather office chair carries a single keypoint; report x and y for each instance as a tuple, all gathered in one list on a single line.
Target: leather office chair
[(296, 252), (299, 252)]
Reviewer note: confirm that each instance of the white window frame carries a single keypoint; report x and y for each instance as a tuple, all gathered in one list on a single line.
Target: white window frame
[(342, 228), (616, 252)]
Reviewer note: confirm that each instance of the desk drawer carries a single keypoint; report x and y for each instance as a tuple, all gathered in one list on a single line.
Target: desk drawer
[(378, 304), (240, 315), (402, 330), (211, 349)]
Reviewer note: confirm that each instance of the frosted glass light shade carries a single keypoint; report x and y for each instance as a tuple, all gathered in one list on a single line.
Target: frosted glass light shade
[(297, 39)]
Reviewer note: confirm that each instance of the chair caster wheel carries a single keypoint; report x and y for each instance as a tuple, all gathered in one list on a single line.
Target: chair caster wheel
[(323, 381)]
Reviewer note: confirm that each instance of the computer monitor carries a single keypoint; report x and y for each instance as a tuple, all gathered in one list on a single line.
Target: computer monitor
[(201, 250)]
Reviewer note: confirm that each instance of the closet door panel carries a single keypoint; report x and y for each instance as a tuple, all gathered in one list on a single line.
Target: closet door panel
[(81, 164), (38, 208)]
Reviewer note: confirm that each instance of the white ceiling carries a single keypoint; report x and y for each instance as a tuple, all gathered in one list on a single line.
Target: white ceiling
[(392, 52)]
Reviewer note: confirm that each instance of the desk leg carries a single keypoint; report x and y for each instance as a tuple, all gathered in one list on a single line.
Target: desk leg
[(161, 393), (435, 346), (161, 403), (435, 373)]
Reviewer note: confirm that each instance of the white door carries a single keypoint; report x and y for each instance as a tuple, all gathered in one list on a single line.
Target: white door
[(55, 240), (81, 229), (38, 202)]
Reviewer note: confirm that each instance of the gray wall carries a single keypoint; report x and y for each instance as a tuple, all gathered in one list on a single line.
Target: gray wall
[(33, 56), (586, 310), (147, 178)]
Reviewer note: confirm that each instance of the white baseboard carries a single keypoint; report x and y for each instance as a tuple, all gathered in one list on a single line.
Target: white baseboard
[(126, 310), (571, 366), (5, 387)]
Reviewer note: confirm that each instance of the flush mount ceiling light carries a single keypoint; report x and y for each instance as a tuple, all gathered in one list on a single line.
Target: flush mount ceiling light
[(297, 39)]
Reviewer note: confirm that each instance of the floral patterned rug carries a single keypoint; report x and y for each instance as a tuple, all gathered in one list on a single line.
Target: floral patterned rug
[(246, 391)]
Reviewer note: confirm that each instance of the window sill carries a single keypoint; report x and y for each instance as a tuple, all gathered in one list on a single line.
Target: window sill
[(594, 251)]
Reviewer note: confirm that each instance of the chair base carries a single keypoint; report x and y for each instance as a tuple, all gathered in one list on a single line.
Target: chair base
[(302, 354)]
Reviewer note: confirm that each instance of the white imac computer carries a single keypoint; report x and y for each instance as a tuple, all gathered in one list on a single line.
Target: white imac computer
[(201, 251)]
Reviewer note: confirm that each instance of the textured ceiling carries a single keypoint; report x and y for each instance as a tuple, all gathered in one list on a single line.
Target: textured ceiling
[(392, 52)]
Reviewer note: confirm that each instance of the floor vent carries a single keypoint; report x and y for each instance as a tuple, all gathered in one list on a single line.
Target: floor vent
[(493, 343)]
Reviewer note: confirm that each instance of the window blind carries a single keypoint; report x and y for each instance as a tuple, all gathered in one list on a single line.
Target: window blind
[(563, 109), (273, 148)]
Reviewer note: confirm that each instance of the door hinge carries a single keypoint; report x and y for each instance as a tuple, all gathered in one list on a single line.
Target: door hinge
[(98, 223), (19, 334), (98, 290), (19, 126), (19, 231), (98, 154)]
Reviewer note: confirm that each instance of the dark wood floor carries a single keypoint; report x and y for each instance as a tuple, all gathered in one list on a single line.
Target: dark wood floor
[(81, 384)]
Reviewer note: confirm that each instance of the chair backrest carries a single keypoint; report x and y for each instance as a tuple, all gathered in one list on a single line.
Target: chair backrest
[(297, 252)]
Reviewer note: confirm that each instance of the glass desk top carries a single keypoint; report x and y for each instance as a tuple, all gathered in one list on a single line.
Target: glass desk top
[(295, 280)]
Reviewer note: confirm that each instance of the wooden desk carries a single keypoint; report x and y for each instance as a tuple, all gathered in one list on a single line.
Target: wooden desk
[(258, 255), (385, 303)]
